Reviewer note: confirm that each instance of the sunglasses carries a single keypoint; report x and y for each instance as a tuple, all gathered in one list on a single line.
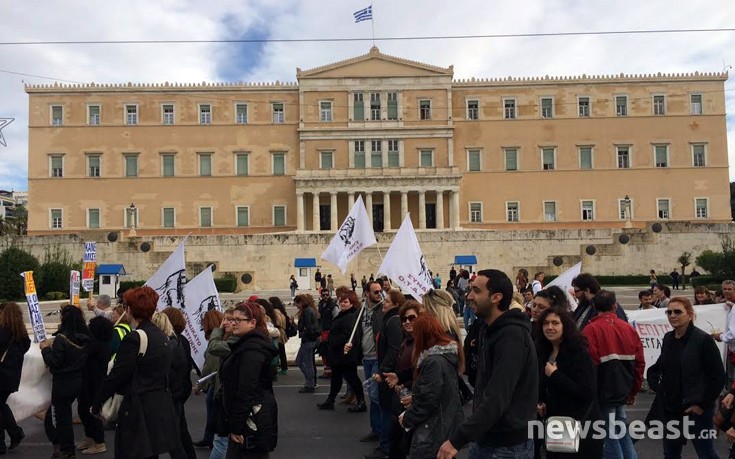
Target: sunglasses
[(676, 312), (408, 318)]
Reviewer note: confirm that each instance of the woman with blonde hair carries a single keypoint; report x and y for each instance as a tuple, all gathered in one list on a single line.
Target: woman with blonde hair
[(439, 304)]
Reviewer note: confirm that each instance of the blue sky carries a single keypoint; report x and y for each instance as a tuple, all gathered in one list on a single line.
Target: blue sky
[(291, 19)]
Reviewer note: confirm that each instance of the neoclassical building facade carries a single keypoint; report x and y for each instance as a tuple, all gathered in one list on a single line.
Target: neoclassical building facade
[(502, 154)]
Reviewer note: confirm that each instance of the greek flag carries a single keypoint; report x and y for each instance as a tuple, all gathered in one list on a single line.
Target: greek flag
[(364, 15)]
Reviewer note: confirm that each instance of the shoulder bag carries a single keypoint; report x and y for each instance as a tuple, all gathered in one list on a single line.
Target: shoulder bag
[(112, 405)]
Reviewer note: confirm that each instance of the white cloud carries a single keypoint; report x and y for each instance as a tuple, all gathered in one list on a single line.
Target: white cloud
[(491, 57)]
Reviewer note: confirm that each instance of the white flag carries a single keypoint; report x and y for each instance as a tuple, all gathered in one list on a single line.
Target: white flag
[(564, 282), (404, 263), (170, 279), (355, 234), (201, 296)]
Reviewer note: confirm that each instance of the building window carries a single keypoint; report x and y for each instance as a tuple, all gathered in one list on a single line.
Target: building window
[(661, 155), (358, 107), (56, 219), (241, 113), (359, 154), (509, 109), (205, 114), (659, 105), (585, 157), (425, 109), (376, 153), (698, 155), (375, 106), (325, 110), (700, 207), (548, 160), (426, 158), (93, 218), (169, 217), (94, 165), (168, 165), (511, 159), (279, 215), (278, 115), (205, 217), (583, 104), (56, 165), (512, 211), (326, 160), (392, 105), (623, 154), (696, 104), (94, 113), (394, 155), (131, 114), (473, 109), (621, 105), (663, 208), (167, 114), (243, 216), (475, 212), (241, 164), (588, 210), (279, 163), (550, 211), (547, 107), (57, 115), (131, 165), (205, 164), (473, 160)]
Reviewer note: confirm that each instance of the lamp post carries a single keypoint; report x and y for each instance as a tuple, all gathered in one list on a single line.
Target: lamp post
[(626, 200), (132, 220)]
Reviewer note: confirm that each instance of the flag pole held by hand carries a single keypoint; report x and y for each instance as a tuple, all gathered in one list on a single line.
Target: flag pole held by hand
[(354, 328)]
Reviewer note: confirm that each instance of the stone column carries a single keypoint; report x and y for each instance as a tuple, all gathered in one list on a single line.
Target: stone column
[(351, 199), (386, 210), (333, 211), (422, 209), (369, 205), (404, 205), (315, 211), (440, 209), (300, 212), (454, 210)]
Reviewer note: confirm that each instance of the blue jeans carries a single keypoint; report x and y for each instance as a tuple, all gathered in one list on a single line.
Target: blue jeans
[(520, 451), (704, 446), (615, 445), (468, 316), (370, 366), (219, 450), (305, 361)]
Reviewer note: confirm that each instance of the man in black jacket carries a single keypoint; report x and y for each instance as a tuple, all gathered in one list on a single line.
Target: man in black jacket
[(506, 389), (327, 312)]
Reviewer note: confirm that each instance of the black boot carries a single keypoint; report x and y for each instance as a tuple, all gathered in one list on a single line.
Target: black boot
[(360, 407), (327, 405)]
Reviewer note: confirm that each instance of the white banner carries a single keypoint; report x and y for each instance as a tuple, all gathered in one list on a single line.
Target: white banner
[(34, 393), (652, 325), (74, 287), (355, 234), (404, 263), (170, 279), (201, 296), (34, 312), (564, 282), (90, 264)]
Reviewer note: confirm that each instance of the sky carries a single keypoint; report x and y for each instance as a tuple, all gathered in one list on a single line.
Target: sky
[(72, 20)]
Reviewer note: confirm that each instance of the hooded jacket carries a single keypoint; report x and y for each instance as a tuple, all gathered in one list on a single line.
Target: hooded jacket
[(338, 337), (66, 359), (506, 389)]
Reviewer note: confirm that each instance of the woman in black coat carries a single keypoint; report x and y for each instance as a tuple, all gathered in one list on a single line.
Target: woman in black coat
[(95, 370), (344, 366), (14, 343), (568, 379), (146, 423), (246, 382)]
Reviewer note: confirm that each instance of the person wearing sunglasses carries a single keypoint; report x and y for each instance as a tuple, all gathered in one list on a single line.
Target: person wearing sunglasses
[(687, 378)]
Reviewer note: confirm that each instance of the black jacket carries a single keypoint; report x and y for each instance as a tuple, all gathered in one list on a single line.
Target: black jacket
[(95, 369), (11, 367), (389, 341), (309, 326), (245, 374), (326, 309), (506, 389), (582, 317), (338, 337), (179, 376), (65, 359)]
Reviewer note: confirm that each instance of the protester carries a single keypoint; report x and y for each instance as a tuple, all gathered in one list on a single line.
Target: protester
[(219, 346), (703, 296), (101, 307), (278, 306), (210, 321), (147, 424), (522, 280), (14, 343), (645, 297), (246, 379), (309, 332), (463, 285), (568, 380), (538, 282), (661, 294), (65, 356), (121, 329), (433, 409), (506, 389), (616, 349), (687, 377), (543, 300), (585, 288), (328, 309), (439, 304)]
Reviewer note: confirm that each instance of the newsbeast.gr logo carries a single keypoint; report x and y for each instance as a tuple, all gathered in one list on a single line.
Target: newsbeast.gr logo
[(565, 429)]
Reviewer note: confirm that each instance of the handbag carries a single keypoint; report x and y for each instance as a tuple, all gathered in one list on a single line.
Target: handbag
[(111, 406), (290, 328), (567, 431)]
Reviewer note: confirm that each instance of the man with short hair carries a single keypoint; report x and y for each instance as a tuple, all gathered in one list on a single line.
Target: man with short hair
[(616, 350), (506, 388), (661, 294), (528, 299), (645, 297), (585, 288), (101, 307)]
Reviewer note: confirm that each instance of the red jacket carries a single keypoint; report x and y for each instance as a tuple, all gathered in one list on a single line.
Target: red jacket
[(616, 349)]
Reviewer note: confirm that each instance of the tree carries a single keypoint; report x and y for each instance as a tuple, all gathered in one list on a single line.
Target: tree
[(720, 265), (14, 261), (684, 260), (20, 223)]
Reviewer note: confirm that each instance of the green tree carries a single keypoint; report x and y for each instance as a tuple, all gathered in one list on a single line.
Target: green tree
[(684, 260), (53, 277), (14, 261), (20, 220)]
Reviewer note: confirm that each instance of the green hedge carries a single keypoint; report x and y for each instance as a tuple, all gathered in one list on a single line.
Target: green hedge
[(226, 284), (127, 285), (54, 296)]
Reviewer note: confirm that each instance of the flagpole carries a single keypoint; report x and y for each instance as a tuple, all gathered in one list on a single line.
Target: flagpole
[(372, 24)]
